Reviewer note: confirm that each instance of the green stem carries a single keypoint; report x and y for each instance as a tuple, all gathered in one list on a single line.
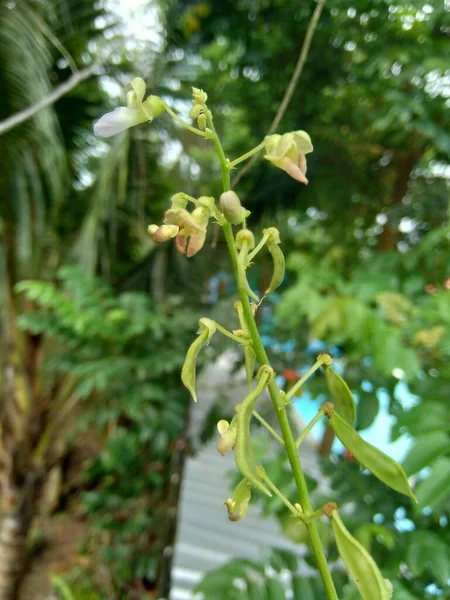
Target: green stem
[(310, 425), (232, 336), (277, 401), (248, 154), (174, 115), (269, 428), (294, 389), (254, 252), (277, 492)]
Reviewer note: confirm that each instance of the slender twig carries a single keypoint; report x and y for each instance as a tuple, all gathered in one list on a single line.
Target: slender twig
[(291, 85), (183, 123), (232, 336), (55, 95), (294, 389), (280, 495), (47, 32), (310, 425), (269, 428)]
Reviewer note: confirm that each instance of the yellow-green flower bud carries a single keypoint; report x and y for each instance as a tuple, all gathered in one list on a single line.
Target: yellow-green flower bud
[(231, 207), (237, 504), (273, 235), (164, 233), (227, 436), (179, 201), (202, 121), (152, 228), (207, 202), (195, 111), (245, 237), (199, 96)]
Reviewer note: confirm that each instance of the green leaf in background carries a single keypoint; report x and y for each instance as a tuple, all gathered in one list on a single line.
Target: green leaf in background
[(275, 590), (302, 588), (435, 489), (426, 448), (428, 551), (367, 410), (368, 531), (426, 417)]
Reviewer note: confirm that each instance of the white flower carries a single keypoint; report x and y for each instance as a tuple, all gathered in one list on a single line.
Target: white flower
[(288, 151), (137, 111)]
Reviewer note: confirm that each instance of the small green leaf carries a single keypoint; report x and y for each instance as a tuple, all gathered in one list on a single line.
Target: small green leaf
[(428, 551), (302, 588), (436, 487), (368, 408), (275, 590), (426, 449)]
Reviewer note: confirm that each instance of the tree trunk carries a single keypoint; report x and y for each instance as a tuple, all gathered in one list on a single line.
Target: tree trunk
[(14, 529), (13, 550)]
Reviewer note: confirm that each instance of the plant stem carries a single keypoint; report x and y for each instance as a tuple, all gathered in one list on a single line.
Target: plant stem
[(294, 389), (310, 425), (277, 401), (254, 252), (248, 154), (269, 428), (281, 496), (230, 335), (174, 115)]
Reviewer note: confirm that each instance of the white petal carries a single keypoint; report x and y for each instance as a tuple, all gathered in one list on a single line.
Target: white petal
[(118, 120), (138, 86), (303, 142)]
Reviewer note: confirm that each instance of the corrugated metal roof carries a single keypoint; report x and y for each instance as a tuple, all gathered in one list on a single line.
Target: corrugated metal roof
[(206, 538)]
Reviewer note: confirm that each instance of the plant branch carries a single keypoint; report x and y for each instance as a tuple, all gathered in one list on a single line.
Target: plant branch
[(269, 428), (277, 401), (294, 389), (66, 87), (310, 425), (312, 26)]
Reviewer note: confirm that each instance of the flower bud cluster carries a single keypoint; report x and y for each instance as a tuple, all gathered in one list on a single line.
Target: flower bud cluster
[(188, 228), (199, 110)]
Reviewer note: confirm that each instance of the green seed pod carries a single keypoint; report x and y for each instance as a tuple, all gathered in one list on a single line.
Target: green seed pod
[(360, 565), (206, 331), (278, 267), (244, 242), (250, 361), (245, 459), (344, 403), (381, 465), (231, 207)]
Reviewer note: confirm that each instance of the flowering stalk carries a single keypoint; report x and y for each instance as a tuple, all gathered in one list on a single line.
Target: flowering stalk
[(277, 401), (287, 152)]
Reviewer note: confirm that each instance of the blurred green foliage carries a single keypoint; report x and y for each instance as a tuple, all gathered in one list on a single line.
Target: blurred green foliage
[(123, 354), (367, 242)]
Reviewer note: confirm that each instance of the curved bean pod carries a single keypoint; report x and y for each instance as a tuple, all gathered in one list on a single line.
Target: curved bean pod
[(206, 331), (344, 403), (245, 459), (360, 565), (278, 267), (380, 464)]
